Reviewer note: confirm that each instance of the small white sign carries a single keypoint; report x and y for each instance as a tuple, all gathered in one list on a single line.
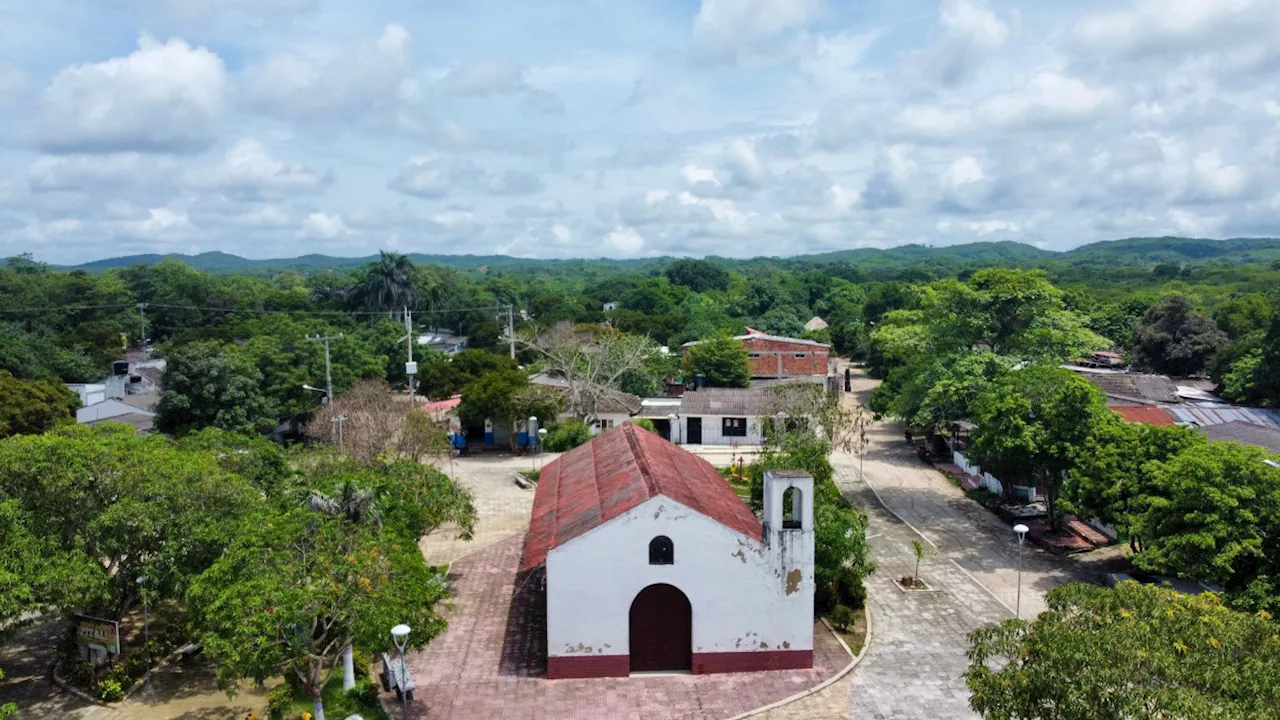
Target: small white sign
[(411, 368)]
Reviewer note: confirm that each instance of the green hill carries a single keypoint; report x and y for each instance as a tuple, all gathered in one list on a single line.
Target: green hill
[(1130, 252)]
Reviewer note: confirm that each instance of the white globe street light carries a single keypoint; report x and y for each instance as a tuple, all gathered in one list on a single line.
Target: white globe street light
[(1022, 531), (400, 636)]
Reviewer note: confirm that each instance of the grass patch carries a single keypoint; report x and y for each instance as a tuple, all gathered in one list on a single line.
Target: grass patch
[(855, 636), (531, 475), (741, 486), (336, 703)]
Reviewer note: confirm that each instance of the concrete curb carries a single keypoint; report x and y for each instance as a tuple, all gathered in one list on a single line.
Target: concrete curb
[(855, 659), (68, 687)]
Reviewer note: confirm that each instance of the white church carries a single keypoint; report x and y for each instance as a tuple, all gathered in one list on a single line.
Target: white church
[(653, 563)]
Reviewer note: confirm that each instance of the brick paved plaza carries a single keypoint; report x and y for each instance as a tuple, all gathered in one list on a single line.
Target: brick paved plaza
[(490, 663)]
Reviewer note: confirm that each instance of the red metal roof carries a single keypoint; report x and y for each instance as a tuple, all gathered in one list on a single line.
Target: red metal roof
[(613, 473), (1144, 414)]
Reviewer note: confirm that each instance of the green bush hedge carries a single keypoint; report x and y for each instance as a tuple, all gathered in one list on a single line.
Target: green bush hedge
[(567, 436)]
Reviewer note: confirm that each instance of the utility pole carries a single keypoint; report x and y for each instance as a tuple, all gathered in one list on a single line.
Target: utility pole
[(341, 444), (328, 373), (409, 340), (142, 329), (511, 328)]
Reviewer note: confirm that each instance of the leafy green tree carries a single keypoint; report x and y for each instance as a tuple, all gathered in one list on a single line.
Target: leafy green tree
[(942, 389), (1113, 477), (1176, 339), (722, 359), (34, 406), (135, 505), (505, 396), (1033, 424), (1213, 517), (441, 377), (296, 588), (1244, 315), (697, 275), (207, 384), (31, 356), (1135, 651), (568, 435), (259, 461)]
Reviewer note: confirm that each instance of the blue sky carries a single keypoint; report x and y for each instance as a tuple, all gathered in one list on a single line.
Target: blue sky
[(273, 128)]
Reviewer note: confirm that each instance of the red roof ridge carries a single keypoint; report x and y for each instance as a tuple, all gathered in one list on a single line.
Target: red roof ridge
[(629, 431)]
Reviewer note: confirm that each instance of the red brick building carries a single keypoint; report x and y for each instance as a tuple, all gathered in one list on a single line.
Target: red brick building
[(774, 356)]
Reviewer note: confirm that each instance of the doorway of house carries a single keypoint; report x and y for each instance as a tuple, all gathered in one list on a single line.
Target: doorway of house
[(661, 631), (663, 428), (695, 431)]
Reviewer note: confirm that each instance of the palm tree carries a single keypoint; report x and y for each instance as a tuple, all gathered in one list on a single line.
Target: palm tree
[(357, 506), (387, 284)]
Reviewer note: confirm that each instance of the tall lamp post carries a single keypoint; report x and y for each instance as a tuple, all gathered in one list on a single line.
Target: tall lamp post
[(146, 626), (1021, 530), (400, 636), (530, 433), (542, 443)]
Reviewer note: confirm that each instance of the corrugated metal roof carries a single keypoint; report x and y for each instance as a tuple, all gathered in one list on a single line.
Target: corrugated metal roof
[(757, 335), (1152, 388), (1149, 414), (733, 402), (613, 473), (1245, 434), (1206, 416)]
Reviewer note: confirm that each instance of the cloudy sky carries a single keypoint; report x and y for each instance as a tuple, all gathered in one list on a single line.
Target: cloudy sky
[(625, 128)]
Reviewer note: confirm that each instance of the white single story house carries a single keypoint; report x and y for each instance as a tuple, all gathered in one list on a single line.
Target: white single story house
[(722, 416), (653, 563)]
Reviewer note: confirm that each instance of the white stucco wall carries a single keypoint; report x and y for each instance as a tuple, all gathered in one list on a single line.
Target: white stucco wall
[(737, 587), (713, 429)]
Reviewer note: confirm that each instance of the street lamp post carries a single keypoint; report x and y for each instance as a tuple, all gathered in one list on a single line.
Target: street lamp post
[(542, 443), (146, 627), (1021, 530), (531, 432), (400, 636)]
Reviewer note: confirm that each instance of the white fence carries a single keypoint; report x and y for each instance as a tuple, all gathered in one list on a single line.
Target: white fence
[(986, 480)]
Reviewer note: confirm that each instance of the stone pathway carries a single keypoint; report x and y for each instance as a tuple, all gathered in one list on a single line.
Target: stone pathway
[(490, 663)]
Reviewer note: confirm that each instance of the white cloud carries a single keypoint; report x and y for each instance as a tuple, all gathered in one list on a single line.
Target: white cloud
[(724, 27), (433, 177), (515, 182), (547, 208), (160, 224), (366, 77), (13, 83), (1148, 27), (971, 33), (164, 97), (625, 241), (964, 171), (114, 172), (1213, 181), (484, 78), (1048, 101), (744, 166), (249, 171), (322, 226)]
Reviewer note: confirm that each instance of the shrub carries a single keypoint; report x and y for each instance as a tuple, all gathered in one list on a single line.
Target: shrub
[(567, 436), (842, 617), (645, 424), (279, 701), (364, 693), (363, 661), (109, 690)]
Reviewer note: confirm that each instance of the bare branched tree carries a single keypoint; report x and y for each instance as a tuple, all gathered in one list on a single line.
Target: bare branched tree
[(807, 406), (377, 425), (591, 363)]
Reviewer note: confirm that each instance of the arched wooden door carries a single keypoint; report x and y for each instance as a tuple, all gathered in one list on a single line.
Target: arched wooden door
[(661, 630)]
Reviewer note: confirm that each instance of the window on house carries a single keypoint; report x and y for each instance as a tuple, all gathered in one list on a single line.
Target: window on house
[(753, 356), (733, 427), (800, 356), (603, 425), (662, 551)]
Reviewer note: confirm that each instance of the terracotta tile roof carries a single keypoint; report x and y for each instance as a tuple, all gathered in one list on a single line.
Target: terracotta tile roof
[(613, 473), (1149, 414)]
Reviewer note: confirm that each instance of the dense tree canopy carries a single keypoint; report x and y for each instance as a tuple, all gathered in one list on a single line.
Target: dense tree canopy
[(1135, 651), (722, 360), (1176, 339), (33, 406), (207, 384)]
